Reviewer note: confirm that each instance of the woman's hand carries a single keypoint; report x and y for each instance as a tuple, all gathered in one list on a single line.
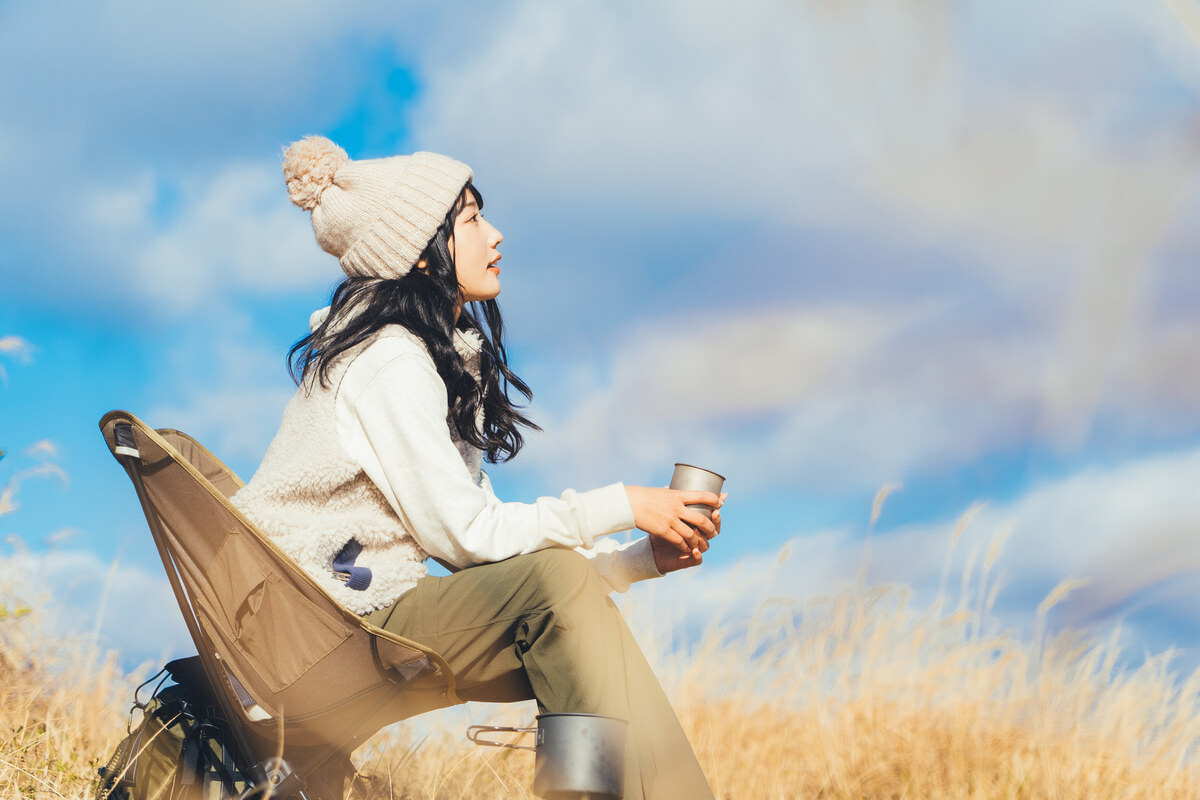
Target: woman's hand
[(663, 513), (668, 558)]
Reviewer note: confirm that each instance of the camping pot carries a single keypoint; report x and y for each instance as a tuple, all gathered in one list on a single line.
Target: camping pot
[(697, 479), (578, 755)]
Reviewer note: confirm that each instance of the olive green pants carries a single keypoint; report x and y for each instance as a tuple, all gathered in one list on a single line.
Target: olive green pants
[(542, 626)]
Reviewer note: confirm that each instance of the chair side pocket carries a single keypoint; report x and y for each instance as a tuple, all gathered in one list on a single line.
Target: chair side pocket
[(275, 627)]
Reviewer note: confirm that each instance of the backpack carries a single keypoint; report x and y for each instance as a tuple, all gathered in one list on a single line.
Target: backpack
[(181, 750)]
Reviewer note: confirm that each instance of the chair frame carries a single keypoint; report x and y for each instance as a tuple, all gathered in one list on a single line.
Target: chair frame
[(270, 775)]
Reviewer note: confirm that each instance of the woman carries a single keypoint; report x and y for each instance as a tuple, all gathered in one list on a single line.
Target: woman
[(403, 389)]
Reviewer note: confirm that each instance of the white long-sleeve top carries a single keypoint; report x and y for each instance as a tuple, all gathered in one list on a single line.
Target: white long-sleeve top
[(371, 457), (439, 490)]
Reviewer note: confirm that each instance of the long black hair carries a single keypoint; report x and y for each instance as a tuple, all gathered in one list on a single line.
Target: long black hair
[(424, 301)]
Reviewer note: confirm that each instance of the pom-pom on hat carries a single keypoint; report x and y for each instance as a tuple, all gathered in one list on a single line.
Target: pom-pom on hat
[(374, 215)]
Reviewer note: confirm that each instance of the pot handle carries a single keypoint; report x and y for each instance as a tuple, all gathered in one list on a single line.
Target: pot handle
[(475, 732)]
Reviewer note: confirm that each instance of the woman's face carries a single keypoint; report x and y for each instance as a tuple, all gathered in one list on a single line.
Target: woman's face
[(476, 259)]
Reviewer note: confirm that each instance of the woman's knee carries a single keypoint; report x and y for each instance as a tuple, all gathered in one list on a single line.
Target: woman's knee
[(567, 598), (561, 574)]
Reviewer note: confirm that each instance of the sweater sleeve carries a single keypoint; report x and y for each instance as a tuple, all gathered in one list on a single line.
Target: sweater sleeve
[(391, 416), (620, 564)]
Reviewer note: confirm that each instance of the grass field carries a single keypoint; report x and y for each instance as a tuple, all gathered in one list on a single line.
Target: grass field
[(851, 696)]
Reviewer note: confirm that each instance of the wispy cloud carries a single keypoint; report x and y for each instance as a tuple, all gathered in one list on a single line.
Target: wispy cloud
[(16, 348), (126, 607), (235, 232), (147, 143), (1122, 535), (851, 397), (1039, 211), (647, 113), (234, 405), (42, 449)]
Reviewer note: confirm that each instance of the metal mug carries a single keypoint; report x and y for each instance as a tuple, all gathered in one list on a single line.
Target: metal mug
[(577, 755), (697, 479)]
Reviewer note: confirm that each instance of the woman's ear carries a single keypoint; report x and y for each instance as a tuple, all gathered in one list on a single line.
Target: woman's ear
[(422, 265)]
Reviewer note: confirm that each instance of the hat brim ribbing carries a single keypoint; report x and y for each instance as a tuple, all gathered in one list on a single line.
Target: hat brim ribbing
[(393, 244)]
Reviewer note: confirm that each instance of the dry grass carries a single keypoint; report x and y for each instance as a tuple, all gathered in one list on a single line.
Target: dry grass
[(868, 700), (62, 707), (851, 696), (63, 702), (858, 696)]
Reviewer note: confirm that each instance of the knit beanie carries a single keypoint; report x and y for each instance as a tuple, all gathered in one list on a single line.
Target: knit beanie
[(374, 215)]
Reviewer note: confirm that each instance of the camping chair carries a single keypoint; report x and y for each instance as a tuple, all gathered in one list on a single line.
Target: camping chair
[(301, 680)]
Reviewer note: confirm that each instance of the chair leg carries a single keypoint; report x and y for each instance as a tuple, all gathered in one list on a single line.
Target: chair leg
[(362, 787), (328, 782)]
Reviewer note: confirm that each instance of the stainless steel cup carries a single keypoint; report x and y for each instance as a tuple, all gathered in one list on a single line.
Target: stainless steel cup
[(697, 479), (578, 755)]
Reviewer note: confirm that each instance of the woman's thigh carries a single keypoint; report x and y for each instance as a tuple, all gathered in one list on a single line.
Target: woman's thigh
[(472, 618)]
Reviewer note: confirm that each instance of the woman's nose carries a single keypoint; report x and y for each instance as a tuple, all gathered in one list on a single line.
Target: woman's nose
[(497, 237)]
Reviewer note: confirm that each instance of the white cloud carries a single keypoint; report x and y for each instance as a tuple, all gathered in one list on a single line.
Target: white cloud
[(1157, 375), (730, 110), (842, 398), (238, 232), (872, 118), (124, 606), (804, 112), (234, 403), (689, 385), (146, 145), (42, 449), (917, 124), (1130, 529), (123, 76), (234, 232), (17, 348), (1025, 176), (1057, 219)]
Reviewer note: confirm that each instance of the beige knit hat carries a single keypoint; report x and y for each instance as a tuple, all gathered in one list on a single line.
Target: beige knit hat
[(375, 215)]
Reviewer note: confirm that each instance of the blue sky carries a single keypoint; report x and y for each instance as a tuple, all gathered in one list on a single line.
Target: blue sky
[(822, 248)]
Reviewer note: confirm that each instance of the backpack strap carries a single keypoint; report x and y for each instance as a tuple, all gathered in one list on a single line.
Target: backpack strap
[(191, 760)]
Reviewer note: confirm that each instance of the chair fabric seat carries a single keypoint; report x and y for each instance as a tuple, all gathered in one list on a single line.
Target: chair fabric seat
[(292, 664)]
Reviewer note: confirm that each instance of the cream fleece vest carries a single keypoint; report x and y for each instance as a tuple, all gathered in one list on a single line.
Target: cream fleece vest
[(311, 498)]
